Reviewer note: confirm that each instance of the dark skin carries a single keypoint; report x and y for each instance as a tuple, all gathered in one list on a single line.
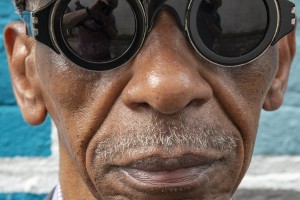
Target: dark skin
[(158, 92)]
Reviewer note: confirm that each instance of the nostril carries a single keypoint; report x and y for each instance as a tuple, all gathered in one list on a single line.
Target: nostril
[(192, 103), (141, 105), (197, 102), (145, 105), (167, 96)]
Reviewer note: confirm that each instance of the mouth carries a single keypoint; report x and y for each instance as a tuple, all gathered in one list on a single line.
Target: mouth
[(169, 174)]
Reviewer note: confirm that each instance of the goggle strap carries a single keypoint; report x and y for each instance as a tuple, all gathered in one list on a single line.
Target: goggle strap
[(287, 19), (28, 19), (37, 21)]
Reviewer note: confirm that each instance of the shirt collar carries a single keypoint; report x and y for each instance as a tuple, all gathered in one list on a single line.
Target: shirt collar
[(57, 195)]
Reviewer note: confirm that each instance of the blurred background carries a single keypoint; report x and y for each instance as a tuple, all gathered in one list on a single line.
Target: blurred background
[(28, 155)]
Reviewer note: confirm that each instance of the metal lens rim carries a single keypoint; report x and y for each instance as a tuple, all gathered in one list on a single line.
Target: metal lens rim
[(200, 47), (56, 21)]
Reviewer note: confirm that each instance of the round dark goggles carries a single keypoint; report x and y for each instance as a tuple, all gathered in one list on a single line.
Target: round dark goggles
[(105, 34)]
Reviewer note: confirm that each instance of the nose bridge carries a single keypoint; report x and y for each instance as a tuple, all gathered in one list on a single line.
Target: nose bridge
[(177, 7)]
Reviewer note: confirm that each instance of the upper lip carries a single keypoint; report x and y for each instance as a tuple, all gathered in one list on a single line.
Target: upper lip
[(156, 163)]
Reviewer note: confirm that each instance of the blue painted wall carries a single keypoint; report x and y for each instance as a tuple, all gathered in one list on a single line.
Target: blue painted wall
[(279, 133), (22, 196)]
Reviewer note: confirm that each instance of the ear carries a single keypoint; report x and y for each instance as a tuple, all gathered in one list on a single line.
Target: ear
[(20, 51), (275, 95)]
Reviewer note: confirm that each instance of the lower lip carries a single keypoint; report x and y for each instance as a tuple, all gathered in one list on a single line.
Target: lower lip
[(180, 178)]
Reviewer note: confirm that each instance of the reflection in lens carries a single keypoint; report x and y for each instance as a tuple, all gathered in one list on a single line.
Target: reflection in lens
[(232, 28), (98, 30)]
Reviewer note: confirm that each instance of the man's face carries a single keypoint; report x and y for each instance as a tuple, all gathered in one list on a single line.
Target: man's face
[(166, 125)]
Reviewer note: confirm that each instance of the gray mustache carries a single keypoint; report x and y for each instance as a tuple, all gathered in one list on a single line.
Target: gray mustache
[(166, 134)]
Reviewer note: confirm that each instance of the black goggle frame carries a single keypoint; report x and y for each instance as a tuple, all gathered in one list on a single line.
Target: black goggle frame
[(45, 25)]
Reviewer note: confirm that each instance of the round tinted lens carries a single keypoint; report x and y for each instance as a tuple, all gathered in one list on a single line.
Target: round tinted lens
[(99, 30), (232, 28)]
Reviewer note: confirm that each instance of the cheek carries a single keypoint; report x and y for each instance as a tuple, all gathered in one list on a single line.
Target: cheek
[(248, 85), (254, 85), (241, 92), (77, 100)]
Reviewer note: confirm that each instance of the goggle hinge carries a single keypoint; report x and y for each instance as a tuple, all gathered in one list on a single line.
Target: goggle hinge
[(287, 19)]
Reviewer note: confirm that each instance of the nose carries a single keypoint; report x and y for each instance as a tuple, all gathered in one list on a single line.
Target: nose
[(166, 73)]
